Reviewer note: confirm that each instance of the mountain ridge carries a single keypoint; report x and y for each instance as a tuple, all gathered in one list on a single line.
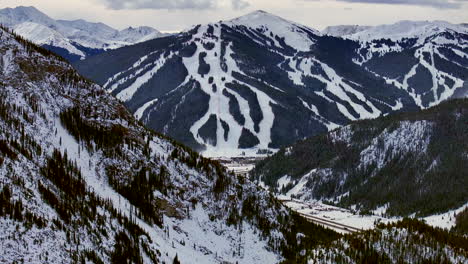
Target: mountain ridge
[(275, 81), (396, 31), (403, 163), (79, 174), (75, 39), (81, 180)]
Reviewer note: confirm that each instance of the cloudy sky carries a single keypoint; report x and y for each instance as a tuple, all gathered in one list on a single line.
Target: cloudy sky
[(175, 15)]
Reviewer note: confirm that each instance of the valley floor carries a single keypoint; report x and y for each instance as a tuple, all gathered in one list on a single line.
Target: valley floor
[(239, 165), (336, 218), (346, 221)]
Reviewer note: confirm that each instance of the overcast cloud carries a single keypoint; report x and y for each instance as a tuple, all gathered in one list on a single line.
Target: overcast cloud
[(242, 4), (172, 4), (433, 3)]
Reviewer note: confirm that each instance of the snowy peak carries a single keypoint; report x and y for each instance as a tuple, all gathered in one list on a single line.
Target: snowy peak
[(17, 15), (75, 37), (257, 16), (83, 26), (43, 35), (295, 35), (407, 29), (37, 33), (261, 18), (343, 30), (137, 34), (254, 84)]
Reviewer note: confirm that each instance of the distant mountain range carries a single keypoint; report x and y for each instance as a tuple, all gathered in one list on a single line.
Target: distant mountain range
[(259, 82), (396, 32), (73, 40)]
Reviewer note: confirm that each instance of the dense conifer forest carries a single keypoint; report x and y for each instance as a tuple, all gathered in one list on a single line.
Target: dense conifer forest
[(369, 161)]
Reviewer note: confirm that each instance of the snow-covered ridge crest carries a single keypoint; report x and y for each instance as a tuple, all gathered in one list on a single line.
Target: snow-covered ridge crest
[(246, 80), (343, 30), (403, 29), (37, 27), (43, 35), (295, 35), (43, 88)]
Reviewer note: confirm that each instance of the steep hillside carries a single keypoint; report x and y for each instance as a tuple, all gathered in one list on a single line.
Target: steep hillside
[(409, 163), (82, 181), (257, 83), (73, 40), (408, 241)]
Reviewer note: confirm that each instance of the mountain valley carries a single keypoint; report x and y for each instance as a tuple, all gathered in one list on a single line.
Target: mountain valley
[(251, 140)]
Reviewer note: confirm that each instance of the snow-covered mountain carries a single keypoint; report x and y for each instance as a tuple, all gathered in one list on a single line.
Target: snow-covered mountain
[(43, 35), (343, 30), (395, 32), (74, 40), (81, 179), (399, 165), (256, 83)]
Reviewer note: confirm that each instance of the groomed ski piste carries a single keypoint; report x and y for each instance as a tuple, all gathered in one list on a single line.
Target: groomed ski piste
[(214, 242), (269, 31)]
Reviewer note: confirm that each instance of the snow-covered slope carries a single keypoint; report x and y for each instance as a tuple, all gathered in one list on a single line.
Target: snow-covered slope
[(398, 31), (43, 35), (138, 34), (344, 30), (78, 38), (13, 16), (402, 164), (81, 26), (408, 241), (406, 29), (82, 180), (259, 82), (295, 35)]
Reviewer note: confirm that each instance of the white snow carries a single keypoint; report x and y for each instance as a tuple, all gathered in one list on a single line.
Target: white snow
[(41, 29), (404, 139), (218, 103), (445, 220), (343, 30), (334, 84), (127, 93), (347, 217), (330, 125), (140, 111), (283, 181), (406, 29), (438, 78), (43, 35), (294, 34), (299, 187), (245, 242), (336, 214)]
